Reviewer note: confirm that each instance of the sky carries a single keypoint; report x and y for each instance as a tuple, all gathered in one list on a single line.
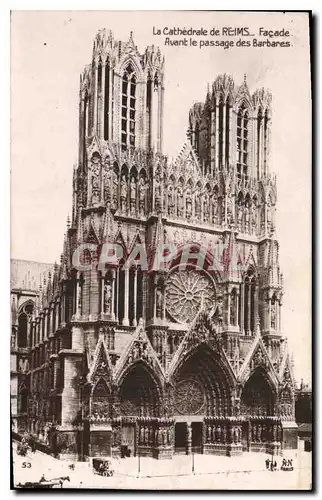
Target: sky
[(49, 49)]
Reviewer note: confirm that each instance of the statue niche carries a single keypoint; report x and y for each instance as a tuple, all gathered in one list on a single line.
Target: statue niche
[(215, 208), (100, 402), (123, 194), (133, 195), (188, 204), (95, 177), (170, 201), (142, 195), (247, 214), (114, 185), (108, 297)]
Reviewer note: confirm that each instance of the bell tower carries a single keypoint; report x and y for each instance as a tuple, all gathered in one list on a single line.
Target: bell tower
[(121, 96)]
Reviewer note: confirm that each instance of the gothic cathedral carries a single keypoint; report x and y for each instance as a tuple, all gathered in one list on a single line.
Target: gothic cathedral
[(131, 359)]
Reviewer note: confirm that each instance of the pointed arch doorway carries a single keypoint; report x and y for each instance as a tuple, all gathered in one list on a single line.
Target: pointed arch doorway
[(139, 397)]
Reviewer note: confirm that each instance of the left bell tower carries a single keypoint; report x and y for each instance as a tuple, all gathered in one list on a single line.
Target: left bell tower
[(121, 96)]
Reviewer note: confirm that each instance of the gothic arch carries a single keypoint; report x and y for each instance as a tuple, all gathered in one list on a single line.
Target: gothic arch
[(100, 404), (23, 330), (202, 383), (258, 395), (28, 304), (139, 390), (130, 63)]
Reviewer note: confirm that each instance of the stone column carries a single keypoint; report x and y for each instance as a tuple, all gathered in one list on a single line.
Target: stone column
[(262, 143), (135, 297), (45, 320), (63, 305), (155, 304), (95, 100), (102, 293), (242, 308), (82, 122), (237, 310), (256, 306), (228, 308), (159, 120), (189, 433), (116, 289), (269, 312), (249, 300), (224, 136), (113, 296), (110, 105), (57, 314), (217, 136), (102, 101), (230, 116), (78, 296), (126, 297), (213, 141)]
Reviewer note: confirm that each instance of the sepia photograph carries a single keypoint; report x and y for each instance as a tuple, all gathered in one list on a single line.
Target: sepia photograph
[(160, 275)]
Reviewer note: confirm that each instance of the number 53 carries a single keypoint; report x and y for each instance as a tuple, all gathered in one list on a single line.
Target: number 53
[(26, 465)]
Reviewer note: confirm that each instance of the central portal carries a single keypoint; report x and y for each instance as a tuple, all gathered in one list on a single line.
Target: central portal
[(196, 437), (181, 438), (185, 445)]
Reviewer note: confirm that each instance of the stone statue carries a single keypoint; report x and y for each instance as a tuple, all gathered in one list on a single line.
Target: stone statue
[(230, 215), (114, 189), (107, 186), (247, 219), (142, 190), (159, 303), (220, 310), (123, 193), (240, 218), (170, 201), (133, 194), (180, 202), (273, 315), (197, 205), (13, 338), (188, 205), (214, 209), (157, 191), (95, 179), (206, 208), (233, 309), (107, 297)]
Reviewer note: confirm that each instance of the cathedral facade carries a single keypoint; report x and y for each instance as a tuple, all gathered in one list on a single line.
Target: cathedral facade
[(160, 331)]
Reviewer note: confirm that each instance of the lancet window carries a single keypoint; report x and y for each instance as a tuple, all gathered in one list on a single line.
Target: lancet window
[(242, 143), (128, 108)]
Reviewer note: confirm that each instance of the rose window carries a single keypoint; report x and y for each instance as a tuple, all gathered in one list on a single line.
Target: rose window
[(190, 397), (186, 291)]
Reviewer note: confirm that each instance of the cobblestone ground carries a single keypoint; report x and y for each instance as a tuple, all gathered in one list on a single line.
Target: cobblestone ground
[(210, 472)]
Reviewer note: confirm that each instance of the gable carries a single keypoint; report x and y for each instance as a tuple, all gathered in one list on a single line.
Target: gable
[(101, 366), (138, 349)]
